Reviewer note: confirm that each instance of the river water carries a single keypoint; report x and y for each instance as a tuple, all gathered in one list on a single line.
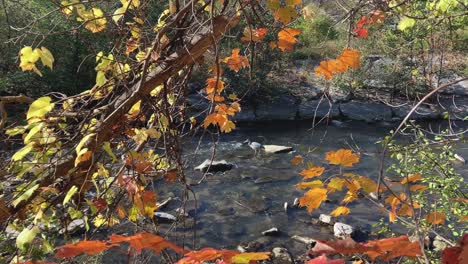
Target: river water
[(237, 205)]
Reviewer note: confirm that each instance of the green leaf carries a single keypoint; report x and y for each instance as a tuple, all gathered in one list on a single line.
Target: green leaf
[(20, 154), (40, 108), (69, 195), (406, 23), (107, 148), (25, 195), (36, 128), (26, 237), (83, 142)]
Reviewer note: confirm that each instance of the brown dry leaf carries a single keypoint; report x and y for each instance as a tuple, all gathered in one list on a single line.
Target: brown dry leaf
[(297, 160), (436, 218), (412, 178)]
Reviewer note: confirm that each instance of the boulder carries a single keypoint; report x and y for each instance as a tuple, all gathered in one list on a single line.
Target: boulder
[(284, 108), (366, 111), (318, 109), (214, 166), (423, 112), (281, 256), (245, 115), (342, 231), (277, 149), (460, 89)]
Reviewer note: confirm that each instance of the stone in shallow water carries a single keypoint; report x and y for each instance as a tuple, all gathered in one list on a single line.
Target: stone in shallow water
[(326, 219), (271, 232), (277, 149), (164, 217), (214, 166), (281, 256), (342, 230)]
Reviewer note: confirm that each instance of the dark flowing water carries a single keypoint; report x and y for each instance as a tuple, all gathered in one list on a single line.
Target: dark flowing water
[(237, 205)]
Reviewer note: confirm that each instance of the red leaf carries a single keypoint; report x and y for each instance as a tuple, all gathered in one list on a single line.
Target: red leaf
[(144, 240), (88, 247), (457, 254), (361, 32)]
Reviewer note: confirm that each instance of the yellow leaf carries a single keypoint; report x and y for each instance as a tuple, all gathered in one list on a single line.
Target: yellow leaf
[(312, 184), (248, 257), (335, 184), (70, 194), (343, 157), (25, 195), (47, 58), (134, 110), (340, 210), (227, 126), (313, 198), (436, 218), (67, 8), (100, 78), (39, 108), (20, 154), (297, 160), (312, 172)]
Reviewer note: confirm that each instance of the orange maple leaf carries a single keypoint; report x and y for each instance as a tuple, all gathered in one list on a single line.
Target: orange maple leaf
[(88, 247), (235, 62), (313, 198), (324, 260), (349, 58), (286, 39), (343, 157), (255, 35), (214, 85), (311, 172), (340, 210), (146, 203)]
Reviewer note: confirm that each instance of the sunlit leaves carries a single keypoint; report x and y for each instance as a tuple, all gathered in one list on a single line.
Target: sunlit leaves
[(248, 257), (227, 256), (342, 157), (313, 198), (255, 35), (349, 58), (26, 236), (70, 194), (94, 19), (436, 218), (145, 201), (309, 185), (29, 57), (406, 23), (236, 62), (39, 108), (26, 192), (286, 39), (82, 152), (412, 178)]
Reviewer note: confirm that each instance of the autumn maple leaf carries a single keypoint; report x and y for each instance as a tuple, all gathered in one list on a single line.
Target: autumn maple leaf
[(343, 157), (236, 62), (313, 198), (286, 39), (324, 260), (145, 240), (312, 172), (255, 35), (89, 248)]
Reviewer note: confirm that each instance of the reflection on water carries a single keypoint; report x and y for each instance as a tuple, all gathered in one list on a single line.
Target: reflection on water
[(236, 206)]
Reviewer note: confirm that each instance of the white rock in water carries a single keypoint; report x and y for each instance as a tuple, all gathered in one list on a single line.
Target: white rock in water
[(342, 230), (459, 158), (296, 202), (281, 256), (305, 240), (286, 207), (214, 166), (165, 217), (326, 219), (277, 149), (271, 232)]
